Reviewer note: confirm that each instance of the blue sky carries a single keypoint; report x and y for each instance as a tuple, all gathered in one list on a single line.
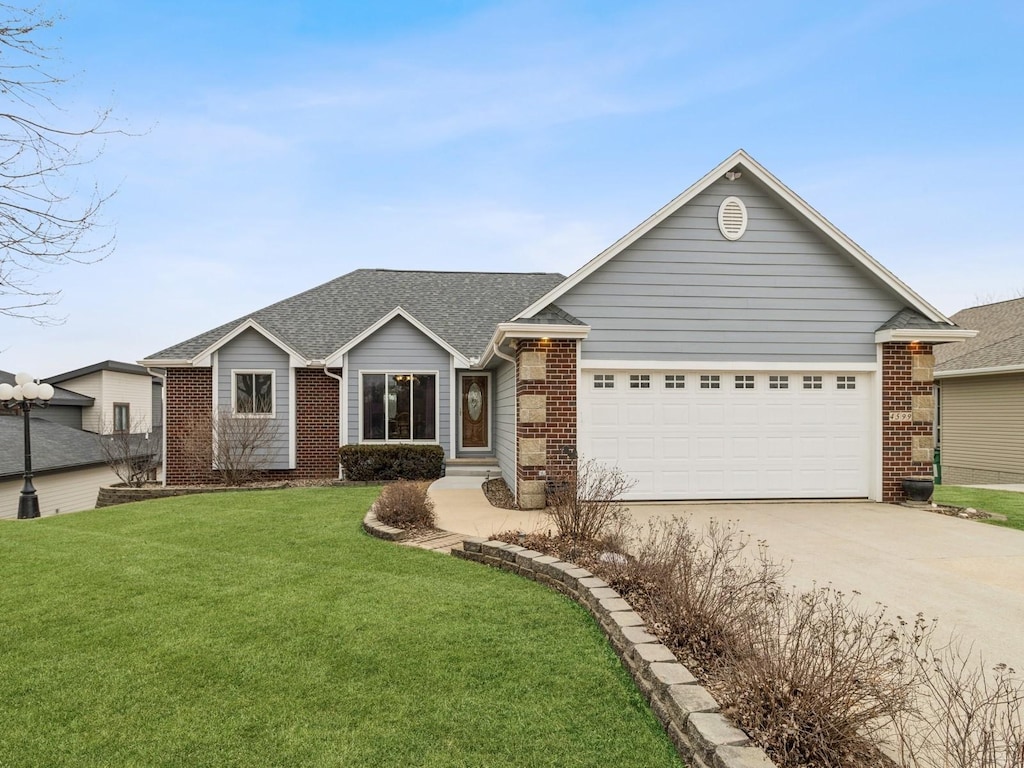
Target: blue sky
[(280, 144)]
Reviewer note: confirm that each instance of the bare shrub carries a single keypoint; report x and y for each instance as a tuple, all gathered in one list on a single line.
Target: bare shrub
[(133, 455), (586, 503), (700, 586), (965, 716), (814, 678), (239, 448), (405, 504)]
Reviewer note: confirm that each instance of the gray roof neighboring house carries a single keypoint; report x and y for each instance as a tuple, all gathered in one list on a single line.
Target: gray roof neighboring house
[(61, 396), (106, 365), (998, 345), (462, 308), (54, 446)]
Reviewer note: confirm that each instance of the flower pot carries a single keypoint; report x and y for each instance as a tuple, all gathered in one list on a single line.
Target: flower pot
[(918, 488)]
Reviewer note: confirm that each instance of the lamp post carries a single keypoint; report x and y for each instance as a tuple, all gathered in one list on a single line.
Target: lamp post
[(25, 395)]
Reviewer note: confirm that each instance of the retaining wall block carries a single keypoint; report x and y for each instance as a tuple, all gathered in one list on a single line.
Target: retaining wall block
[(688, 699), (742, 757), (709, 731)]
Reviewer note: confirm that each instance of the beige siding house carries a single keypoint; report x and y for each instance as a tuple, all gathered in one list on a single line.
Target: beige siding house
[(981, 397), (123, 395)]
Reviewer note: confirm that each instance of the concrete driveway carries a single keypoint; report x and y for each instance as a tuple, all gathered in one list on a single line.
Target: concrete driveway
[(968, 575)]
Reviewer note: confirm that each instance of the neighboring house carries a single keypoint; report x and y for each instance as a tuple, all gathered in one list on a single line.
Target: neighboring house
[(734, 345), (123, 394), (981, 397), (68, 463)]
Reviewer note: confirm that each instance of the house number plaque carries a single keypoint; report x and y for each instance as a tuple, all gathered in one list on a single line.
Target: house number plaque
[(901, 416)]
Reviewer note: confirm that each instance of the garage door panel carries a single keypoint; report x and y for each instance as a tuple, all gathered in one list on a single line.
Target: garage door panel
[(680, 442)]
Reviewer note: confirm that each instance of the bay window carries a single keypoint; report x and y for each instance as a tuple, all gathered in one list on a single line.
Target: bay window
[(399, 406)]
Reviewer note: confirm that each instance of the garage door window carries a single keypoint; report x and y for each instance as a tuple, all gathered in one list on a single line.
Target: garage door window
[(604, 381), (639, 381), (710, 381), (778, 382), (846, 382), (744, 382), (812, 382), (675, 381)]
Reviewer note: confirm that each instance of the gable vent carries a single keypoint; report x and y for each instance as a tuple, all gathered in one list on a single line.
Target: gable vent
[(732, 218)]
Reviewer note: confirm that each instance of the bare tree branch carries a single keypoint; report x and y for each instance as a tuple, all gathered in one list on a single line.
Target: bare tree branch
[(46, 218)]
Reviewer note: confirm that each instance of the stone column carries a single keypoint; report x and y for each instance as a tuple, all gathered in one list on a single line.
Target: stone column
[(545, 416)]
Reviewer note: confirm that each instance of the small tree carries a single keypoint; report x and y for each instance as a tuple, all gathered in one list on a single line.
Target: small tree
[(133, 455), (587, 502), (238, 447)]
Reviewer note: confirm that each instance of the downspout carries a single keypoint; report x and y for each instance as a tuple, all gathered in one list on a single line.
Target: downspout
[(341, 404), (163, 419), (502, 355)]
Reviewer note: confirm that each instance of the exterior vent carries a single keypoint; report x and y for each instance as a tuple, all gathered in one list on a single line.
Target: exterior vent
[(732, 218)]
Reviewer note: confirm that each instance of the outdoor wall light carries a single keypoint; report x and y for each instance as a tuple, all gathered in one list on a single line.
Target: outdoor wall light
[(25, 395)]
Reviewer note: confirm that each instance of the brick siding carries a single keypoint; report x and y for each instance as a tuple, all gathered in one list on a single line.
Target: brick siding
[(559, 389), (189, 396), (898, 390)]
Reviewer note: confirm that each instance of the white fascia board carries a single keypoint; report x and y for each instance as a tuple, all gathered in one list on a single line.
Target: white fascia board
[(723, 365), (540, 331), (295, 360), (929, 335), (337, 355), (990, 371), (748, 164)]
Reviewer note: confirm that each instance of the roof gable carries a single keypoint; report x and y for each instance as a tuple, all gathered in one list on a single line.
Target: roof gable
[(459, 308), (742, 163), (336, 357)]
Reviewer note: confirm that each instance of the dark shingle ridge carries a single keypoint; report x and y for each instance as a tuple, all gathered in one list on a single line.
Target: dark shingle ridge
[(462, 308), (911, 319)]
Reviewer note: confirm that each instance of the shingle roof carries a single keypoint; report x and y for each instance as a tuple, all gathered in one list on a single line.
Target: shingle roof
[(909, 318), (552, 314), (54, 446), (999, 343), (462, 308), (61, 396)]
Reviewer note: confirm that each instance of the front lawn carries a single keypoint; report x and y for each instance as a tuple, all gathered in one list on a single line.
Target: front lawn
[(1009, 503), (265, 628)]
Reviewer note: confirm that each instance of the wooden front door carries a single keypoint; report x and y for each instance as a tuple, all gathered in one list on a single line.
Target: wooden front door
[(475, 411)]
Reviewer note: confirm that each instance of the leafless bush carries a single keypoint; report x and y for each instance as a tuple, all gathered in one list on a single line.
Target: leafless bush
[(405, 504), (966, 716), (814, 678), (238, 447), (701, 585), (134, 455), (587, 503)]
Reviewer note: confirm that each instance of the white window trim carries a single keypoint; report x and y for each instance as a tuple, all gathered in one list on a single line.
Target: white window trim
[(403, 372), (273, 389)]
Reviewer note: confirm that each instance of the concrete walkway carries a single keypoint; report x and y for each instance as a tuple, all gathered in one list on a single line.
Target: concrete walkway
[(967, 574)]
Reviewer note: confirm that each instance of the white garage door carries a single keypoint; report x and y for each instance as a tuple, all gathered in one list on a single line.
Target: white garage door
[(730, 435)]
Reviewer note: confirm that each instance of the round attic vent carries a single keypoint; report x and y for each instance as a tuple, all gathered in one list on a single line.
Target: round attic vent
[(732, 218)]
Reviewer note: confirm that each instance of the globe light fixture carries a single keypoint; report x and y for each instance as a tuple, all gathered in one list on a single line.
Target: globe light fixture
[(25, 395)]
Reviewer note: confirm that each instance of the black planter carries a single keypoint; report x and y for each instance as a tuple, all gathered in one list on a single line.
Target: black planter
[(918, 488)]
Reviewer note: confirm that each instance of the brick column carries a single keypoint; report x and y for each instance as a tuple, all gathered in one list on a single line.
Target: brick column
[(189, 396), (546, 416), (908, 408), (316, 424)]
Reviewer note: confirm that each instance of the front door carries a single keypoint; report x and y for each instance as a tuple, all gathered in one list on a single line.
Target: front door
[(475, 399)]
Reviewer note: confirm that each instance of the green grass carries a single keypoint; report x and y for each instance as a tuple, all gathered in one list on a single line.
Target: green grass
[(265, 628), (1009, 503)]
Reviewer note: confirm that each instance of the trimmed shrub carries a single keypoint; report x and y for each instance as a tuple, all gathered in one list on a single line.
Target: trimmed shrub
[(400, 461), (405, 504)]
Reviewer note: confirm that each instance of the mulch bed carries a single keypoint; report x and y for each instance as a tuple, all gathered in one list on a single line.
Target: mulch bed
[(499, 494)]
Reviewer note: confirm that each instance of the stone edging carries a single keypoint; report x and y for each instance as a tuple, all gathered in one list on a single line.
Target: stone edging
[(702, 735)]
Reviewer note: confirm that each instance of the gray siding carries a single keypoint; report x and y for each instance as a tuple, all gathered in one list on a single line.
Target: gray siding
[(684, 292), (251, 351), (505, 421), (68, 415), (399, 347), (982, 435)]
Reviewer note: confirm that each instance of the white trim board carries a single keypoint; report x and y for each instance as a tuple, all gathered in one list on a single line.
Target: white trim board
[(723, 365)]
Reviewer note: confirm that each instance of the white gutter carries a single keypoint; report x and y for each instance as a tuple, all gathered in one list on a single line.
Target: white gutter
[(995, 369)]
